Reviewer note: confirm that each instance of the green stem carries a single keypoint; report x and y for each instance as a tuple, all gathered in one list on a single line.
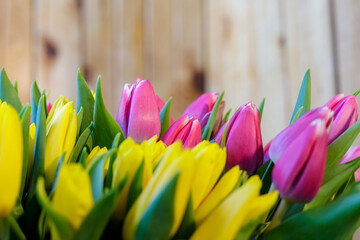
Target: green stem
[(272, 188), (284, 206), (4, 229)]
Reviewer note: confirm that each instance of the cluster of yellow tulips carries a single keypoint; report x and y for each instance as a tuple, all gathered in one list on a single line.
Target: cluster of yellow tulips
[(71, 172)]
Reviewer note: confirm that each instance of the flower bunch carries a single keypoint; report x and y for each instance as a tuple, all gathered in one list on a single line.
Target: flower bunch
[(74, 172)]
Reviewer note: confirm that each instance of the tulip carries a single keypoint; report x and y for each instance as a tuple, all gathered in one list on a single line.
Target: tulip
[(243, 140), (266, 152), (202, 107), (138, 114), (174, 161), (345, 114), (299, 171), (351, 154), (32, 134), (11, 158), (48, 106), (72, 196), (95, 152), (289, 134), (61, 130), (185, 129), (244, 205)]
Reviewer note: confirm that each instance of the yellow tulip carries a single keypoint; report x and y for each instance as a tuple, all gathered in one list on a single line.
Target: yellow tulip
[(209, 164), (130, 156), (61, 130), (32, 134), (11, 158), (237, 210), (222, 189), (95, 152), (72, 197), (174, 161)]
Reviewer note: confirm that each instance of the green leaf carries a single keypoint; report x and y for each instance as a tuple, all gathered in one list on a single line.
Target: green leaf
[(34, 100), (304, 98), (206, 132), (85, 99), (14, 226), (297, 115), (246, 231), (80, 143), (80, 116), (115, 144), (62, 225), (356, 93), (95, 222), (136, 186), (16, 86), (223, 139), (261, 108), (328, 189), (8, 93), (226, 116), (265, 172), (188, 225), (96, 173), (83, 156), (56, 177), (158, 218), (105, 127), (165, 117), (336, 220), (4, 229), (25, 123), (340, 146)]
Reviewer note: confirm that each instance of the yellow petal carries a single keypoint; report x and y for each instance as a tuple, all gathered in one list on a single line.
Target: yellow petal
[(72, 196), (222, 189), (32, 133), (11, 158), (221, 223), (95, 152)]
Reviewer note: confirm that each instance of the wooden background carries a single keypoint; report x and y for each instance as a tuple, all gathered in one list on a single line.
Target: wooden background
[(252, 49)]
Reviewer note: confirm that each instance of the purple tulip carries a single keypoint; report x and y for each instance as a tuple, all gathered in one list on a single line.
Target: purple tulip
[(138, 114), (202, 107), (345, 114), (289, 134), (266, 152), (243, 139), (351, 154), (185, 129), (299, 171)]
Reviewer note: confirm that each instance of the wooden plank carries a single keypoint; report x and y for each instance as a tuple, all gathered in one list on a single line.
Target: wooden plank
[(4, 10), (58, 42), (126, 46), (347, 37), (308, 40), (244, 57), (18, 45), (97, 52)]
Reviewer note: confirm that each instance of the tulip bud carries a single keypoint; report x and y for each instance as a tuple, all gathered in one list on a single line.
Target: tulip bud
[(243, 140), (11, 158), (95, 152), (138, 114), (185, 129), (289, 134), (345, 114), (202, 107), (61, 130), (351, 154), (299, 171), (72, 197)]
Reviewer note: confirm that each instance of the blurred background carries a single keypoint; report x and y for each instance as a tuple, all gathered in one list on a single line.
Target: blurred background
[(251, 49)]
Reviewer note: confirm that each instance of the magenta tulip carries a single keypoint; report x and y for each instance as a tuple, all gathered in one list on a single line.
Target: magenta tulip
[(299, 171), (138, 114), (351, 154), (289, 134), (202, 107), (345, 114), (185, 129), (243, 139)]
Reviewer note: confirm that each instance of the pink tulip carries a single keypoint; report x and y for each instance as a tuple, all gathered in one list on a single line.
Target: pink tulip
[(202, 107), (289, 134), (138, 114), (299, 171), (266, 152), (48, 106), (160, 103), (185, 129), (243, 139), (345, 114), (351, 154)]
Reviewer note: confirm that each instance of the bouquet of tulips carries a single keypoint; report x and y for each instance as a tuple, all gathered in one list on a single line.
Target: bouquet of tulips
[(77, 173)]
